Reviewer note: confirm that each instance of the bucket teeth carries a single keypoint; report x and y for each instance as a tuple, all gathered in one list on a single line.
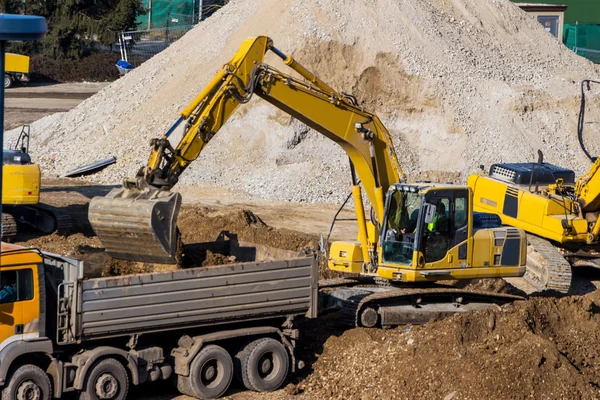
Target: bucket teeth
[(137, 225)]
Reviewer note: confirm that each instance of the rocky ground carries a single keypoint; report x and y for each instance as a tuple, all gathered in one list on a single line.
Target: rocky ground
[(541, 348)]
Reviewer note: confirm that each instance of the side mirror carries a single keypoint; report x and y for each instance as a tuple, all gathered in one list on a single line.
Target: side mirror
[(430, 210)]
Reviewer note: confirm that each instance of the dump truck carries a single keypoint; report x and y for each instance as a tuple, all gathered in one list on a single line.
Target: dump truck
[(16, 69), (61, 333)]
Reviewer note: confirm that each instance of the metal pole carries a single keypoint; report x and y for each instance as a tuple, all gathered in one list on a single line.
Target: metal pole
[(149, 14), (2, 55)]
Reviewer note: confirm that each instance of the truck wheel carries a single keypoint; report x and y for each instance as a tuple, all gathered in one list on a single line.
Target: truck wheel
[(8, 81), (28, 383), (211, 372), (263, 365), (106, 380)]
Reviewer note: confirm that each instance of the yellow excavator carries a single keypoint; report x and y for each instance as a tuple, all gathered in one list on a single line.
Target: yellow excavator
[(424, 232), (21, 194), (560, 213)]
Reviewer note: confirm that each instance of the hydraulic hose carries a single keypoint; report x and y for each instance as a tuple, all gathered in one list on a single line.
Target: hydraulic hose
[(581, 119)]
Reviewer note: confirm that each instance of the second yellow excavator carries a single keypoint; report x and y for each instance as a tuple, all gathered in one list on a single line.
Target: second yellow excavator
[(418, 232), (560, 213), (21, 194)]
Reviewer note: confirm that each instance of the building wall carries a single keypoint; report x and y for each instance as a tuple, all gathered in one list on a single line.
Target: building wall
[(561, 19), (582, 11)]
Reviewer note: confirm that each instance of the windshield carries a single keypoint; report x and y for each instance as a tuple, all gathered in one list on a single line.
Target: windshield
[(401, 226)]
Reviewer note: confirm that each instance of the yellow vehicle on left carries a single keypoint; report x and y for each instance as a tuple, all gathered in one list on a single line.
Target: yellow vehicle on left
[(21, 194), (16, 69)]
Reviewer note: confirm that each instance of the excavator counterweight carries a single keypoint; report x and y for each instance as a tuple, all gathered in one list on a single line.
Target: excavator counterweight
[(137, 225)]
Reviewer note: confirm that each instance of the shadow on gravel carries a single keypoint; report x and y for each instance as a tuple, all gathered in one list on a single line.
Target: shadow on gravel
[(87, 191)]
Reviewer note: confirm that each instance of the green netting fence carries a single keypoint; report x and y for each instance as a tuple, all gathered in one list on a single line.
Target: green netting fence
[(584, 40), (167, 13)]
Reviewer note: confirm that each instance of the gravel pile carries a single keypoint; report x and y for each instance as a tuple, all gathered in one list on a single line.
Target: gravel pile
[(458, 83)]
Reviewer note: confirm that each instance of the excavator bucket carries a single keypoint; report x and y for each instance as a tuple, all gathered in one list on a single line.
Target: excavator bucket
[(137, 225)]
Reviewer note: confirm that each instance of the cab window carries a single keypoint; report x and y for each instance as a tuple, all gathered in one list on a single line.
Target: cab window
[(16, 286), (460, 212), (400, 228)]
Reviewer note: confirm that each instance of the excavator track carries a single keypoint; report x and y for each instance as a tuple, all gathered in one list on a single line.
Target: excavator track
[(377, 306), (62, 219), (547, 269), (9, 228)]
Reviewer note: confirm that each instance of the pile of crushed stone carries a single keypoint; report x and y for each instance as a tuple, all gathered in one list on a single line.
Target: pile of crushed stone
[(458, 83), (543, 348)]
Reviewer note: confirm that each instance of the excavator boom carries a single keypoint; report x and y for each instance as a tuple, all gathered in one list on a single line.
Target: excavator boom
[(138, 222)]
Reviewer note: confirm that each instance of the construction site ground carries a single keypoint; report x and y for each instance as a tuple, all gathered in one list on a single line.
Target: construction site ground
[(28, 103), (545, 347)]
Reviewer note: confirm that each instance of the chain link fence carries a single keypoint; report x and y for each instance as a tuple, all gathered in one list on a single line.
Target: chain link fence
[(172, 19), (138, 46), (160, 13)]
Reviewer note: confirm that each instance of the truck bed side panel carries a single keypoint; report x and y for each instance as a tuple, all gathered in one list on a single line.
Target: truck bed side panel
[(196, 297)]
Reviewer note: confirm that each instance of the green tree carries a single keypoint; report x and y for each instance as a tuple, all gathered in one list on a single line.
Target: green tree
[(76, 25)]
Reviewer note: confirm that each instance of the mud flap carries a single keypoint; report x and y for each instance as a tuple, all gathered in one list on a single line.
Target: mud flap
[(137, 225)]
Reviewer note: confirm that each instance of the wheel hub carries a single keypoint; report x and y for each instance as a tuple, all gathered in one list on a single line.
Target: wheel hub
[(28, 390), (209, 372), (106, 386), (266, 365)]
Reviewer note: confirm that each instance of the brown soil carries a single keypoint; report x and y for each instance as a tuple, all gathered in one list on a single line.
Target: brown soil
[(217, 259), (196, 224), (201, 224), (544, 348)]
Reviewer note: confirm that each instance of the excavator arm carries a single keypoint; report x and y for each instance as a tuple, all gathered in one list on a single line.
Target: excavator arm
[(335, 115)]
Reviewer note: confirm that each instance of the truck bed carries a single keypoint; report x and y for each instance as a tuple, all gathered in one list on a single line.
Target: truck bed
[(196, 297)]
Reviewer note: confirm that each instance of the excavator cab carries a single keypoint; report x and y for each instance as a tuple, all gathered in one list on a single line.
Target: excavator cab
[(430, 233)]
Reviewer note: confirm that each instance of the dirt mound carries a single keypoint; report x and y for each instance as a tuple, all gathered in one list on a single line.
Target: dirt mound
[(542, 348), (197, 225), (456, 82), (488, 285), (200, 224)]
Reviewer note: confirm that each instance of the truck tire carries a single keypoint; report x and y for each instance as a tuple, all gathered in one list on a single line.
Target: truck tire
[(263, 365), (8, 81), (28, 382), (107, 379), (211, 372)]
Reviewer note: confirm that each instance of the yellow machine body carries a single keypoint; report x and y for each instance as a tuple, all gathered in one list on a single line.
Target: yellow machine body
[(20, 184), (16, 63), (478, 253), (543, 215)]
